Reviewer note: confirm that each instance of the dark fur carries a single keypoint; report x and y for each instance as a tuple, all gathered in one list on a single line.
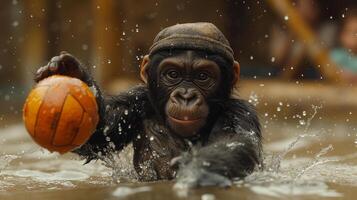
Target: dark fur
[(228, 146)]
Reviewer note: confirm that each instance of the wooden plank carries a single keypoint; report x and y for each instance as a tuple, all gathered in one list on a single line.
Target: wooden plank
[(106, 36), (34, 49), (318, 53)]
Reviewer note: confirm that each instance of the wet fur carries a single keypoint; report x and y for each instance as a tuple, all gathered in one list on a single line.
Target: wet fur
[(228, 146)]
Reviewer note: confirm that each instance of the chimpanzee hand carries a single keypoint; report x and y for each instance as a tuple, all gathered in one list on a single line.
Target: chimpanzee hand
[(63, 64), (193, 177), (192, 173)]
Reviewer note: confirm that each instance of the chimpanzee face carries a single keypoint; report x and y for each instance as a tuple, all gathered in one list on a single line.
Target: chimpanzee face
[(182, 86), (188, 80)]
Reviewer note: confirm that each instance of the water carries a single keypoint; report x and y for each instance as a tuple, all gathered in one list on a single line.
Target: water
[(314, 160)]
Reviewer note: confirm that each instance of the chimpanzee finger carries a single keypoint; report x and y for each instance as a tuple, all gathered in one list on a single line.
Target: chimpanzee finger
[(53, 67), (70, 65), (55, 59), (41, 73), (39, 70), (63, 64), (69, 62)]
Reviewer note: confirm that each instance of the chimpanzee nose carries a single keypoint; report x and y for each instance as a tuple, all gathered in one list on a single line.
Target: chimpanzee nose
[(187, 97)]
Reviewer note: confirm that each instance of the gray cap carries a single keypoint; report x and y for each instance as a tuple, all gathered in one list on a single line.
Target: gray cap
[(201, 36)]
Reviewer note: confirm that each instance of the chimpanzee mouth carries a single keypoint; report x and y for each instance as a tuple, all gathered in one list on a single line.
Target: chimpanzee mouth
[(184, 115), (185, 120), (185, 127)]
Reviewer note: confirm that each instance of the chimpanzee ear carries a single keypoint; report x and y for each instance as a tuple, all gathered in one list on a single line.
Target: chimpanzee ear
[(144, 69), (236, 72)]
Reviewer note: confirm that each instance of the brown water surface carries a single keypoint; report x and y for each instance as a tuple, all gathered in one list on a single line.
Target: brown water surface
[(321, 165)]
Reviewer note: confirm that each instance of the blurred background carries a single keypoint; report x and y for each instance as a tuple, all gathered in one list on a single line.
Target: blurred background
[(295, 53), (298, 67)]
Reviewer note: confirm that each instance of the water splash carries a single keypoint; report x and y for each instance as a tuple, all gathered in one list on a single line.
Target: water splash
[(275, 162), (317, 161), (289, 180), (123, 192), (283, 190), (6, 160), (308, 121), (121, 165), (253, 99), (278, 181)]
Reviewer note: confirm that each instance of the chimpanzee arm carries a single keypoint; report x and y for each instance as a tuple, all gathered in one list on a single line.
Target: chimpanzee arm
[(120, 121), (119, 116), (233, 150)]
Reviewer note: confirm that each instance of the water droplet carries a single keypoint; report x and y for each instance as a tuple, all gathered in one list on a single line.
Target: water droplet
[(106, 129), (208, 197), (84, 47), (7, 97), (119, 129), (15, 23)]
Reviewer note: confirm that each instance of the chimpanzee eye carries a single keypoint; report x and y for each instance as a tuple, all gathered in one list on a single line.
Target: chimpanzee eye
[(202, 76), (173, 74)]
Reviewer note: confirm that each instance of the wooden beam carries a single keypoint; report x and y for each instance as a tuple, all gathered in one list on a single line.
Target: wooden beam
[(106, 37), (34, 49), (318, 53)]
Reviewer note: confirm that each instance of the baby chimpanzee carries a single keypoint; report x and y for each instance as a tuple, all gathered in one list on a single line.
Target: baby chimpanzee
[(183, 122)]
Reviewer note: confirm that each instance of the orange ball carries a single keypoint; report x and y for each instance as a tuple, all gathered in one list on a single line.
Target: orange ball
[(60, 113)]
